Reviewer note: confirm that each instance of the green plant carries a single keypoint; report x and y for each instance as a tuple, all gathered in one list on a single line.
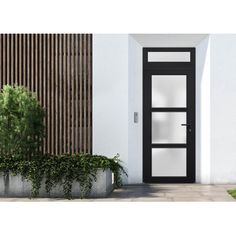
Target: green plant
[(63, 170), (21, 135), (21, 122), (232, 192)]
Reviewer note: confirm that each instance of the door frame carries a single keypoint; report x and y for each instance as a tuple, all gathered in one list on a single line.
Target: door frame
[(168, 68)]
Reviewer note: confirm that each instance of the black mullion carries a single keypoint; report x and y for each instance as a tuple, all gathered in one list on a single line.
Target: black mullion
[(169, 109), (167, 71), (167, 179), (146, 126), (168, 145), (191, 120)]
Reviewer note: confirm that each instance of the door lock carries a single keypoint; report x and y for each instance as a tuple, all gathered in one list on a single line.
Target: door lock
[(188, 126)]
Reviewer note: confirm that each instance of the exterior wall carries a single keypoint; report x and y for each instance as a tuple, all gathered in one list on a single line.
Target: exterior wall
[(223, 104), (117, 94), (54, 75), (110, 96), (203, 112), (135, 161)]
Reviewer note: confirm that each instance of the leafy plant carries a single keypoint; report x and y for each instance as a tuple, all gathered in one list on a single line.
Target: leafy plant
[(21, 122), (232, 192), (63, 170), (21, 136)]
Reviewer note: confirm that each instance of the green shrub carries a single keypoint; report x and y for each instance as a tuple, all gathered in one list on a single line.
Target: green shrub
[(232, 192), (21, 122), (62, 170), (21, 136)]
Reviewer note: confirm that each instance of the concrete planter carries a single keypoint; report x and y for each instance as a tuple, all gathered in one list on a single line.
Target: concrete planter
[(15, 186)]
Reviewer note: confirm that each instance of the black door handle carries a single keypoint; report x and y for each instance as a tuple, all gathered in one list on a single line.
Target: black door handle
[(185, 125), (188, 127)]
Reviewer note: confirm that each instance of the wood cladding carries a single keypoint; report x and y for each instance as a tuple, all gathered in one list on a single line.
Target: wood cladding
[(58, 69)]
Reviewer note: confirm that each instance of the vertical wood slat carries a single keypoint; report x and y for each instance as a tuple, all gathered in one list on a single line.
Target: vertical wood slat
[(60, 95), (3, 60), (81, 93), (36, 67), (89, 94), (32, 64), (58, 69), (40, 52), (85, 94), (52, 101), (20, 59), (48, 94), (24, 60), (28, 61), (72, 97), (16, 60), (68, 92), (12, 57), (56, 95), (64, 94), (45, 88), (8, 60), (76, 94)]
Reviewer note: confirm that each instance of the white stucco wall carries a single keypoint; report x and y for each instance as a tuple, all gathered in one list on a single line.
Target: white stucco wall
[(203, 112), (110, 96), (117, 94), (135, 150), (223, 108)]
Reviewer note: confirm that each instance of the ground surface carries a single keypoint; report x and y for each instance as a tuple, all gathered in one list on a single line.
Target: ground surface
[(155, 193)]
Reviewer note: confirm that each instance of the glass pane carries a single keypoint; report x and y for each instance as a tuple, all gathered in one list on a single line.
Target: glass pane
[(169, 162), (169, 57), (166, 127), (169, 90)]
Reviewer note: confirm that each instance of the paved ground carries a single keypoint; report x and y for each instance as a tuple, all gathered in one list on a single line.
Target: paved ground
[(155, 193), (173, 192)]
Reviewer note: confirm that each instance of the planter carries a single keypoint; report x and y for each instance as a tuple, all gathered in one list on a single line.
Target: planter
[(15, 186)]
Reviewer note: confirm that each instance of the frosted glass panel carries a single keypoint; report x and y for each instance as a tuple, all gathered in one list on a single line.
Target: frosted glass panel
[(169, 162), (168, 90), (166, 127), (169, 57)]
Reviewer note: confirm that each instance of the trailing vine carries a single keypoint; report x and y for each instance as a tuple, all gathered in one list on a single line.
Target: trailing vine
[(62, 170), (21, 134)]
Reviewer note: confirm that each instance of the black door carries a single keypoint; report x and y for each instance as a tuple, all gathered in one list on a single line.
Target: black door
[(169, 115)]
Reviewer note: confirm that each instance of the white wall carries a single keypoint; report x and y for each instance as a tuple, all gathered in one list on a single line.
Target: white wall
[(135, 160), (223, 108), (117, 94), (169, 40), (203, 112), (110, 95)]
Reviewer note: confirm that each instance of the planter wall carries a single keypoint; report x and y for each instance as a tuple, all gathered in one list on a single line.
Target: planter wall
[(15, 186)]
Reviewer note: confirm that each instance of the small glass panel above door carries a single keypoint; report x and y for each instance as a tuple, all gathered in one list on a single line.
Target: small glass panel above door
[(169, 57), (167, 128), (169, 90)]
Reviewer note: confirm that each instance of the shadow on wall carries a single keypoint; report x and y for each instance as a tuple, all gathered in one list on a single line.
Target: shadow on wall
[(203, 111)]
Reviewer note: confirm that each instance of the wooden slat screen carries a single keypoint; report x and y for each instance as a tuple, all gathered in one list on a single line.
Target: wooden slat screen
[(58, 68)]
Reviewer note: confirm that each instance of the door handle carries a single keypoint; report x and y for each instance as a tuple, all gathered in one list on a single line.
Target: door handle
[(188, 127), (185, 125)]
